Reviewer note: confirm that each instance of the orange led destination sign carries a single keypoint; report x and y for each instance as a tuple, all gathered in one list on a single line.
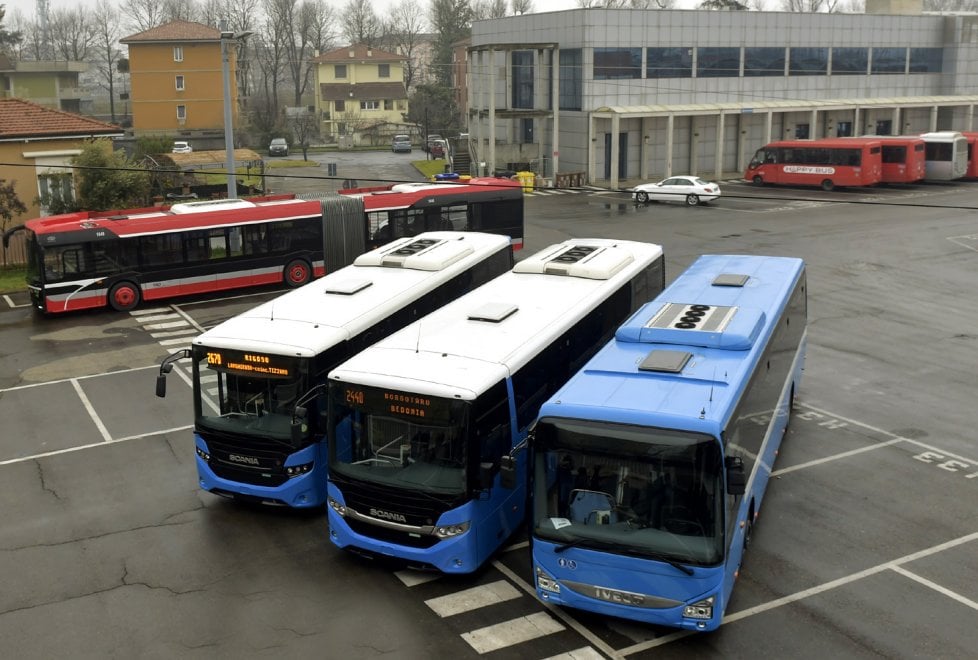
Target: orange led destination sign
[(257, 364)]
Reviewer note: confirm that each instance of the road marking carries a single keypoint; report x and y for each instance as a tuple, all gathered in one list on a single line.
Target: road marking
[(158, 317), (473, 599), (414, 578), (12, 304), (586, 653), (74, 378), (184, 332), (835, 457), (509, 633), (91, 411), (150, 310), (177, 341), (893, 565), (69, 450), (165, 326), (936, 587)]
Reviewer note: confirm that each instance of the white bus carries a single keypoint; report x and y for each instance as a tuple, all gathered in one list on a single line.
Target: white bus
[(946, 155), (421, 422), (259, 378)]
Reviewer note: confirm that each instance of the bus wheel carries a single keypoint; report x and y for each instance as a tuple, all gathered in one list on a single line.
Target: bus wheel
[(123, 296), (692, 200), (749, 527), (758, 180), (297, 273), (827, 185)]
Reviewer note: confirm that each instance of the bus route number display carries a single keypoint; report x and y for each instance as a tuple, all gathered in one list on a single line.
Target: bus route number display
[(258, 364), (405, 404)]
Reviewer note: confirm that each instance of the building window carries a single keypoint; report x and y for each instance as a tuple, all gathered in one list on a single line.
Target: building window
[(889, 60), (56, 191), (571, 79), (178, 53), (179, 81), (926, 60), (339, 106), (526, 130), (339, 71), (181, 113), (388, 104), (850, 60), (370, 105), (522, 78), (669, 62), (616, 63), (383, 70), (717, 62), (763, 61), (808, 61)]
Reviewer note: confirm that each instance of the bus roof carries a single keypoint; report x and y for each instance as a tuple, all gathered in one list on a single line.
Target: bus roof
[(836, 142), (942, 136), (342, 304), (470, 344), (698, 394), (103, 225)]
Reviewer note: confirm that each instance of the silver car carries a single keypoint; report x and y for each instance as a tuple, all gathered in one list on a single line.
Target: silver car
[(689, 189)]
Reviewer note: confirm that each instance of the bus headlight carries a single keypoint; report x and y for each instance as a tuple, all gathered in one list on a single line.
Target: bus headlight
[(547, 583), (702, 609), (448, 531), (203, 455), (336, 506), (298, 470)]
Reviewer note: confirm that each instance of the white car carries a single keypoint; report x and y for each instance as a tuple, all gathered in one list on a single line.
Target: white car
[(182, 148), (689, 189)]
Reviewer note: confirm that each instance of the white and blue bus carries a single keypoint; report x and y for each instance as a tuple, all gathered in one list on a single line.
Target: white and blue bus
[(259, 378), (419, 423), (648, 467)]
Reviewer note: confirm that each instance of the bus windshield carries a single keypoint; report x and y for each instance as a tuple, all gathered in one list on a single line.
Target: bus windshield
[(234, 400), (408, 441), (621, 489)]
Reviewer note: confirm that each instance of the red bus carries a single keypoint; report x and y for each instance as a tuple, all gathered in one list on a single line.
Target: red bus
[(828, 163), (972, 138), (487, 204), (118, 258), (904, 158)]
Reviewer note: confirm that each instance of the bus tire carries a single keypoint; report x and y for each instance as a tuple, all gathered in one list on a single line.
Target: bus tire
[(297, 273), (828, 185), (758, 180), (749, 526), (692, 200), (124, 296)]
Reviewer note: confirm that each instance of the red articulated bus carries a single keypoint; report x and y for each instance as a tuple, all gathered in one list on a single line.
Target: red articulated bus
[(972, 138), (119, 258), (828, 163), (904, 157), (492, 205)]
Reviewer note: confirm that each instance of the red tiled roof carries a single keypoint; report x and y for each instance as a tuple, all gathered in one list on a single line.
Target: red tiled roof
[(362, 91), (23, 119), (360, 52), (175, 31)]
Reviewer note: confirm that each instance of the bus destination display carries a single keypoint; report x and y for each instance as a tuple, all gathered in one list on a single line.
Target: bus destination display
[(258, 364)]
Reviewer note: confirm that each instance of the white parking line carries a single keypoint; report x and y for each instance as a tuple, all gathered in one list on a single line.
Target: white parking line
[(508, 633), (472, 599), (91, 411), (936, 587), (586, 653), (414, 578), (57, 452), (835, 457)]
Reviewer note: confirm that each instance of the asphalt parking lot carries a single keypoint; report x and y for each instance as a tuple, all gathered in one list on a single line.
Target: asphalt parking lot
[(866, 547)]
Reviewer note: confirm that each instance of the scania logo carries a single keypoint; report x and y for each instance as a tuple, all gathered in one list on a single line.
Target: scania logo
[(248, 460), (387, 515), (615, 596)]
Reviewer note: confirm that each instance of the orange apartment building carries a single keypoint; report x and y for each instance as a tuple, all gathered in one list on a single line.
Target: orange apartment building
[(177, 86)]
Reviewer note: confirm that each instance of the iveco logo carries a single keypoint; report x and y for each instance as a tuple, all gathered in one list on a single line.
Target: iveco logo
[(622, 597), (387, 515), (238, 458)]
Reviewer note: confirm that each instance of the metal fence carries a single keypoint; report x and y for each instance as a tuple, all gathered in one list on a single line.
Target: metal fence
[(15, 254)]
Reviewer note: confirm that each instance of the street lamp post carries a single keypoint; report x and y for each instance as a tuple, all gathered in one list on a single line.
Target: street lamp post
[(228, 38)]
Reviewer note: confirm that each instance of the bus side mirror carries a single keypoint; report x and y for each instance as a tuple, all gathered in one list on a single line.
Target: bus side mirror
[(507, 472), (166, 366), (486, 475), (736, 479), (161, 386), (298, 425)]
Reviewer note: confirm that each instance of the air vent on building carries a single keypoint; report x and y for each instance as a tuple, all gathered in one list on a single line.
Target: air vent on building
[(671, 362), (347, 287), (730, 279), (493, 312)]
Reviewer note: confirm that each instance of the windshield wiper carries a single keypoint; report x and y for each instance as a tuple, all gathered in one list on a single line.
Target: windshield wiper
[(660, 557), (572, 544)]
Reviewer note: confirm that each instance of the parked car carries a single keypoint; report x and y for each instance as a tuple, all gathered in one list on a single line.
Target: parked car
[(278, 147), (432, 137), (689, 189), (182, 148), (401, 143), (438, 148)]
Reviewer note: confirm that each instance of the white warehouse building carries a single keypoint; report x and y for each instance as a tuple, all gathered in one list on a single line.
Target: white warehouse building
[(604, 95)]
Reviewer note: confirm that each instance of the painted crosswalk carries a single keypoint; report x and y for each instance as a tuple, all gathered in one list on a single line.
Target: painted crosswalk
[(551, 192)]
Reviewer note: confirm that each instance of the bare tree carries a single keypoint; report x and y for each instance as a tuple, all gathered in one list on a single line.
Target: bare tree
[(304, 127), (403, 35), (626, 4), (31, 45), (72, 34), (143, 14), (105, 51), (810, 6), (483, 10), (359, 23), (521, 7), (181, 10)]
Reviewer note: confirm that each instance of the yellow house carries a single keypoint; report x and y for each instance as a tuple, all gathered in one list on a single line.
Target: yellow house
[(360, 90), (177, 83), (36, 143)]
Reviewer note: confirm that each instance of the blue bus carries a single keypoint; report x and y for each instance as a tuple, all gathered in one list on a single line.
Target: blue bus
[(420, 422), (259, 378), (648, 467)]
